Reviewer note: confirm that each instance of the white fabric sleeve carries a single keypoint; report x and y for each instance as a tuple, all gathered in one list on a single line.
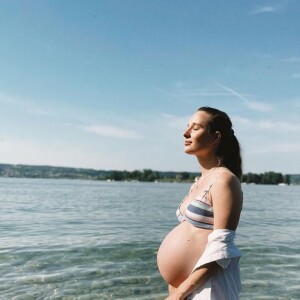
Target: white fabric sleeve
[(220, 248)]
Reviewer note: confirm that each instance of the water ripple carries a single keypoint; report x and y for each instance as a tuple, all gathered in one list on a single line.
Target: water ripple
[(64, 239)]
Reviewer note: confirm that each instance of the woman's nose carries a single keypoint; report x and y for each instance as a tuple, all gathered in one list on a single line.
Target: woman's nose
[(186, 134)]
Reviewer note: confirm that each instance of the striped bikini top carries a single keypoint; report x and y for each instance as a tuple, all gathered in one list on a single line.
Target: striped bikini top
[(200, 211)]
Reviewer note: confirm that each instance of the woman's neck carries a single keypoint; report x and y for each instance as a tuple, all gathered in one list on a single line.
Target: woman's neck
[(208, 164)]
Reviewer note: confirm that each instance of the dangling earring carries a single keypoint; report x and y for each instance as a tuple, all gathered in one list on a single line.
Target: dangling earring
[(219, 161)]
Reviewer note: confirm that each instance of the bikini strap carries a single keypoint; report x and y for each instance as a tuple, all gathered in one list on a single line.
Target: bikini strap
[(207, 190)]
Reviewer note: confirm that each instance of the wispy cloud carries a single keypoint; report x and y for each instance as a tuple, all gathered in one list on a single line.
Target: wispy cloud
[(296, 75), (262, 55), (184, 93), (8, 99), (190, 93), (200, 93), (254, 105), (113, 132), (179, 122), (167, 93), (294, 62), (267, 125), (281, 126), (292, 59), (265, 9), (277, 148), (23, 103), (37, 111)]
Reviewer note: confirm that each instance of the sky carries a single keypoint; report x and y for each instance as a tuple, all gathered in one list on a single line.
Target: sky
[(111, 84)]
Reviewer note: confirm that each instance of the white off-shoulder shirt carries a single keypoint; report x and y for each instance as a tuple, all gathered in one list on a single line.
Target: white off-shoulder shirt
[(225, 284)]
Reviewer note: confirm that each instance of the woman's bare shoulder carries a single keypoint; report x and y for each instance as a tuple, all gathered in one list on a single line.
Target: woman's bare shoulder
[(225, 176), (226, 182)]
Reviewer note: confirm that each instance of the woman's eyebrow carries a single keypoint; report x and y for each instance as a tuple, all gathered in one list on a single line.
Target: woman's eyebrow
[(194, 123)]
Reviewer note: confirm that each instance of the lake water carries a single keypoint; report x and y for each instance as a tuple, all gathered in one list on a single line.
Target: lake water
[(72, 239)]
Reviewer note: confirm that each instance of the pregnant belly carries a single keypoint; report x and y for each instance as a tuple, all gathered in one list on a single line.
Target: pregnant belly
[(179, 252)]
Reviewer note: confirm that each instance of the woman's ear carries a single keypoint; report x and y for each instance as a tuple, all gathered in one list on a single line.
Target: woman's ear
[(217, 135)]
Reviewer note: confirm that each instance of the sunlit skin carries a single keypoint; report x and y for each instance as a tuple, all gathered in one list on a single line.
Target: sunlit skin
[(185, 244), (199, 142)]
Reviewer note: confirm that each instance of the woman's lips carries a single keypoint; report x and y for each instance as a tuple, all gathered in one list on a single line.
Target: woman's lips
[(187, 143)]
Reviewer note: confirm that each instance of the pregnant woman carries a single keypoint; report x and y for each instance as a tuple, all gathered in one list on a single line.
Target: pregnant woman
[(198, 257)]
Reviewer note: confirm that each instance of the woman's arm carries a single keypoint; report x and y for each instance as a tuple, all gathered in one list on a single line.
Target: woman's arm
[(171, 289), (194, 281), (227, 200)]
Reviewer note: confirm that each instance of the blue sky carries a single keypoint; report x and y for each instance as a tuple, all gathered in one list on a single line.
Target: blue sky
[(111, 84)]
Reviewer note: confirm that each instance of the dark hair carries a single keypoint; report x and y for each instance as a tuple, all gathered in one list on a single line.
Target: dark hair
[(229, 148)]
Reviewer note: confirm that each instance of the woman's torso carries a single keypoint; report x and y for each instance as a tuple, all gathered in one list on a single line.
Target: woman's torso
[(184, 245)]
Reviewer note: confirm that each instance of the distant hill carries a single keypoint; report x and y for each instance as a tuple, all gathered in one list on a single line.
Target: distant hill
[(29, 171)]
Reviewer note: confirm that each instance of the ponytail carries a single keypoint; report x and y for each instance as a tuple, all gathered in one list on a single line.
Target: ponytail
[(228, 150)]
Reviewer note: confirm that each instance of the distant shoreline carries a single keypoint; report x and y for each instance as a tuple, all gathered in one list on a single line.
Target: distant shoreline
[(146, 175)]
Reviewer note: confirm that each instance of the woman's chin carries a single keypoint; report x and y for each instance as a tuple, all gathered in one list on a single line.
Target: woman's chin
[(187, 150)]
